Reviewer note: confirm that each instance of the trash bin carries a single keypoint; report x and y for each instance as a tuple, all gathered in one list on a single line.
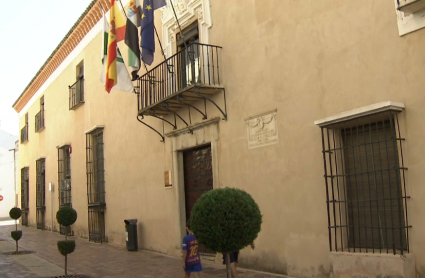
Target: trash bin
[(131, 234)]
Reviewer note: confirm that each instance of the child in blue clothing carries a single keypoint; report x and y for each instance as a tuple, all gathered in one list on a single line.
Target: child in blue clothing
[(191, 258)]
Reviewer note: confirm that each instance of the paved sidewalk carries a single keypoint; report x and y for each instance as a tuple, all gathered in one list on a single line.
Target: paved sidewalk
[(92, 259)]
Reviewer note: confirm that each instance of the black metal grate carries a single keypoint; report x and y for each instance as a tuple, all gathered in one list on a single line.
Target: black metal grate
[(25, 195), (365, 185), (39, 117), (96, 185), (97, 223), (64, 176), (41, 193), (24, 130), (76, 94)]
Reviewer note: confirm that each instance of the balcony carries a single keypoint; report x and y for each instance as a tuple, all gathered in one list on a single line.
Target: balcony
[(76, 94), (39, 121), (24, 134), (188, 79), (411, 6)]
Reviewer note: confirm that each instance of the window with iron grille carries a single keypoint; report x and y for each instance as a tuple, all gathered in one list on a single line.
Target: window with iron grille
[(365, 184), (76, 90), (41, 193), (24, 130), (188, 63), (25, 195), (64, 175), (39, 117), (96, 185)]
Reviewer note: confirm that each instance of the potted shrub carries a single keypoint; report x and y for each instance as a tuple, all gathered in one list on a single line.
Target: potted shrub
[(66, 216), (15, 213), (226, 220)]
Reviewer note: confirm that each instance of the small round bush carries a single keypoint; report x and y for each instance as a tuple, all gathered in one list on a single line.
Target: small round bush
[(226, 219), (66, 216), (16, 235), (15, 213), (66, 247)]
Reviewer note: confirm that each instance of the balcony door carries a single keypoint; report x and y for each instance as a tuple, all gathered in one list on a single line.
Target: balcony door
[(187, 43)]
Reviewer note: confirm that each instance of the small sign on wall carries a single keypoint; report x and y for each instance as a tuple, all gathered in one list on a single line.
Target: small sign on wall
[(167, 178)]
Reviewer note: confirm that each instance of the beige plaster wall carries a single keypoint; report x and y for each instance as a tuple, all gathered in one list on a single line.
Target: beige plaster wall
[(307, 59)]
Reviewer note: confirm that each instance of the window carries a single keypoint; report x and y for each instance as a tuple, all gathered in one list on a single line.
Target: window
[(96, 185), (39, 117), (25, 195), (365, 184), (40, 193), (64, 175), (76, 90), (24, 130)]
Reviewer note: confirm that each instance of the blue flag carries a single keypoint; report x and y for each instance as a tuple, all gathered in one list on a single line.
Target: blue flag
[(147, 34)]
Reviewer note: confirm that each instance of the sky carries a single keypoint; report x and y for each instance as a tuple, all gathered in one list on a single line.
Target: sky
[(30, 31)]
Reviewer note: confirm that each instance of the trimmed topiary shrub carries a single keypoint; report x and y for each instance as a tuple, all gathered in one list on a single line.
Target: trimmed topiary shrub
[(15, 213), (226, 220), (16, 235), (66, 216), (66, 247)]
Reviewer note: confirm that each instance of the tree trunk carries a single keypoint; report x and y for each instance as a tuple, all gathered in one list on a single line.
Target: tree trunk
[(66, 266), (17, 252), (229, 270)]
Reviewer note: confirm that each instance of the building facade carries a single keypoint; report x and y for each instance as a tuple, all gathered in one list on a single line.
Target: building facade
[(8, 160), (314, 108)]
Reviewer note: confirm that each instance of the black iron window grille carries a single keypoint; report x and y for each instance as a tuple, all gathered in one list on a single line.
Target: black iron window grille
[(24, 130), (25, 195), (96, 185), (41, 193), (97, 224), (64, 182), (95, 167), (365, 185), (39, 117), (64, 176)]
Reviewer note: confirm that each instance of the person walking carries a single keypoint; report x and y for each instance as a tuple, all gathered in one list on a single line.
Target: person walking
[(234, 261), (191, 258)]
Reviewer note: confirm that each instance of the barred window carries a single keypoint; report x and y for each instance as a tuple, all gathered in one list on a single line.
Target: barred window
[(40, 192), (24, 130), (365, 184), (64, 175), (25, 195), (39, 117), (95, 167), (96, 185)]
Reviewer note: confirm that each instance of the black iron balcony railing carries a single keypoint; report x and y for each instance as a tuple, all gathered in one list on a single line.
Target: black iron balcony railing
[(24, 134), (195, 66), (39, 121), (76, 94)]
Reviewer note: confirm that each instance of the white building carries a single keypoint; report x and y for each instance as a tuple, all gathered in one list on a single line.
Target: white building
[(8, 189)]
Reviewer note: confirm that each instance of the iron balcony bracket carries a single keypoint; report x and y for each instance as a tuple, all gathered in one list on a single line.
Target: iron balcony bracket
[(162, 137), (181, 100), (153, 114), (224, 113), (166, 106)]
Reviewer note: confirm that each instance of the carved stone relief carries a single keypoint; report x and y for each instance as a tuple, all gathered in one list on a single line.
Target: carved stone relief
[(262, 130)]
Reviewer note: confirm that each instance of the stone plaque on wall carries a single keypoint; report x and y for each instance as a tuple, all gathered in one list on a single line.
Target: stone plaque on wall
[(262, 130)]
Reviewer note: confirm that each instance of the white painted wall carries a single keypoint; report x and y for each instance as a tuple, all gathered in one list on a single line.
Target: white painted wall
[(7, 187)]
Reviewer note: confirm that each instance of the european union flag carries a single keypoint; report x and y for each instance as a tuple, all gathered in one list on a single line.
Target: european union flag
[(147, 34)]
